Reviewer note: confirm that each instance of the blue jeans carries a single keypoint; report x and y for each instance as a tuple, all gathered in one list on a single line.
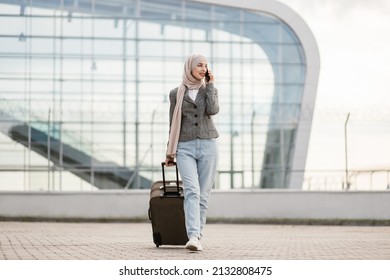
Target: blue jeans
[(197, 163)]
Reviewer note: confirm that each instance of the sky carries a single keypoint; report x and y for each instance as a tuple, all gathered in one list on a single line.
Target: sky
[(354, 45), (353, 38)]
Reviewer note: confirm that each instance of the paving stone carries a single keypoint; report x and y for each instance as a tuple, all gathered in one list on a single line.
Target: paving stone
[(133, 241)]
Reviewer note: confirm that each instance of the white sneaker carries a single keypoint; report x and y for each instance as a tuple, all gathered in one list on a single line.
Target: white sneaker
[(194, 244)]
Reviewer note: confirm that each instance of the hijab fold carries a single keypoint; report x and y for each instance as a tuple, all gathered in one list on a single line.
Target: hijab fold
[(188, 81)]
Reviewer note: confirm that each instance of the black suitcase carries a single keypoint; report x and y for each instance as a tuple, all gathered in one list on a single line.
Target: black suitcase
[(166, 211)]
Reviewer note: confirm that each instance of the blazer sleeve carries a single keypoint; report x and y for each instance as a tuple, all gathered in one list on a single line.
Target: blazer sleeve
[(212, 104)]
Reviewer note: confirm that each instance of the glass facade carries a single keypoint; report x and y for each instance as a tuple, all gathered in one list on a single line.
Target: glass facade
[(84, 89)]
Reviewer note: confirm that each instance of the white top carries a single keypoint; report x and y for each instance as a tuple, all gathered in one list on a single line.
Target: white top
[(193, 93)]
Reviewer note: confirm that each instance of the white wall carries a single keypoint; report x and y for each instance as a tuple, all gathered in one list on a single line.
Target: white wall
[(251, 204)]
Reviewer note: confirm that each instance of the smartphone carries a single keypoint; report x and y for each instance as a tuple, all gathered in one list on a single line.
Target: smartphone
[(207, 76)]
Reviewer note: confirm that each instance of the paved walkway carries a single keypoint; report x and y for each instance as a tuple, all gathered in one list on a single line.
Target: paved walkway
[(133, 241)]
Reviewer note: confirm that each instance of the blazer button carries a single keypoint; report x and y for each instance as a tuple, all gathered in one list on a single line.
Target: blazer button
[(196, 116), (196, 124), (195, 107)]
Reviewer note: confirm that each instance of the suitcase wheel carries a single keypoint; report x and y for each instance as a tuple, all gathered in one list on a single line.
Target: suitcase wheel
[(157, 239)]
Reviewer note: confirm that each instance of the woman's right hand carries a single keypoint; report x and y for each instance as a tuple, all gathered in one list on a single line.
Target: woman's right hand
[(169, 161)]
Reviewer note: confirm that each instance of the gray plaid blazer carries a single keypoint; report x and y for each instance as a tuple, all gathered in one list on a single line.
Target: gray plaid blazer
[(196, 119)]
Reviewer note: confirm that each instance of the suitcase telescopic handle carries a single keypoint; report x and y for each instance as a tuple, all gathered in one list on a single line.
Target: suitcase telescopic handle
[(177, 178)]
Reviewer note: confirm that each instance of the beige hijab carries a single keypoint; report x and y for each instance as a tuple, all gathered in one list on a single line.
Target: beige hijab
[(188, 81)]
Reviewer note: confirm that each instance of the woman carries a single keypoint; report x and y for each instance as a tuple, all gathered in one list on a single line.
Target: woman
[(192, 141)]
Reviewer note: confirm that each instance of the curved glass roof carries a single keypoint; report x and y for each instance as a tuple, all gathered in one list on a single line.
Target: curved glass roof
[(227, 35)]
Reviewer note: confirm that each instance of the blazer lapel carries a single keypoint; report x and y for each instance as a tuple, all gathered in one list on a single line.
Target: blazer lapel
[(201, 94), (187, 97)]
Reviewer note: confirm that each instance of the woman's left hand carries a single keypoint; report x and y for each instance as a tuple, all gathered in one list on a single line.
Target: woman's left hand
[(211, 75)]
